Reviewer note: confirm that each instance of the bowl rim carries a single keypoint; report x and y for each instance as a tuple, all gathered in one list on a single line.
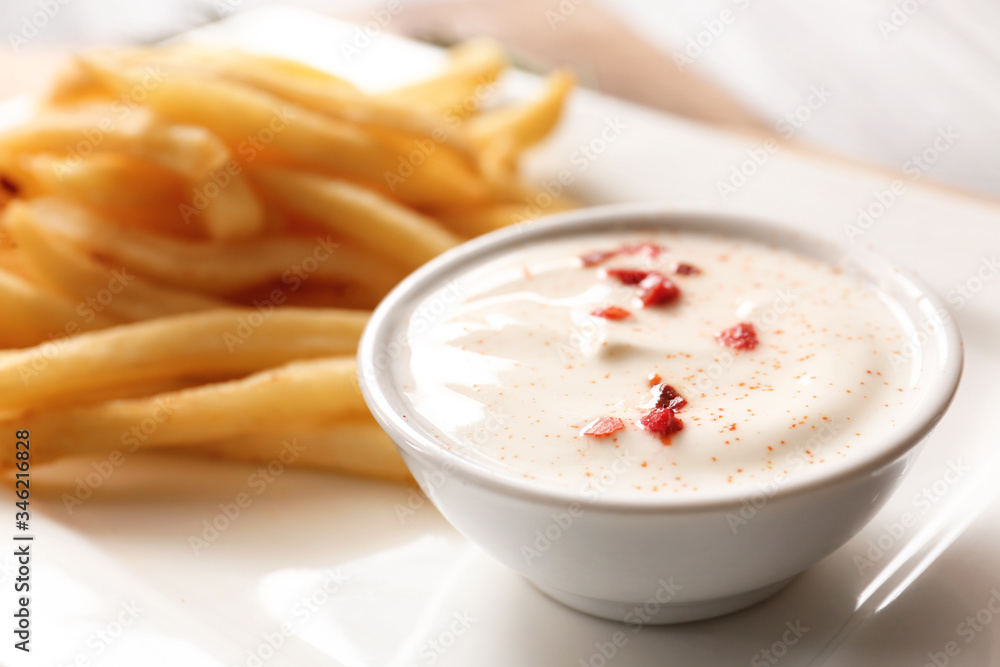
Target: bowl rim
[(887, 448)]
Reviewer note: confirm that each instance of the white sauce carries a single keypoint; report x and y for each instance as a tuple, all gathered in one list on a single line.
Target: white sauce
[(508, 365)]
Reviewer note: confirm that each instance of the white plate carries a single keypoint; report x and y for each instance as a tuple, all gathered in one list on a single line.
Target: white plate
[(336, 570)]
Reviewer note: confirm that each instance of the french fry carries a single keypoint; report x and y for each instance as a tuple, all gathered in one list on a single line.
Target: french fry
[(456, 91), (245, 66), (505, 133), (78, 82), (11, 260), (316, 92), (32, 314), (117, 185), (373, 221), (143, 389), (227, 205), (352, 445), (236, 63), (298, 393), (483, 220), (217, 342), (75, 84), (398, 128), (96, 288), (217, 269), (229, 211), (105, 180), (289, 133), (17, 182), (190, 151)]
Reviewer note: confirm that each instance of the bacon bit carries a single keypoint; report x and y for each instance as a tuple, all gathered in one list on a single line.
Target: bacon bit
[(687, 270), (611, 313), (603, 426), (669, 398), (628, 276), (656, 290), (654, 379), (597, 257), (651, 249), (661, 421), (743, 336), (9, 186)]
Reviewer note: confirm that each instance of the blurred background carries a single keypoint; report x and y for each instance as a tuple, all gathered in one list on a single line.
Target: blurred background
[(905, 85)]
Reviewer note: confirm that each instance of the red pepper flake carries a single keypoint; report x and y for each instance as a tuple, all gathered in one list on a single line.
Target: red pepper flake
[(654, 379), (611, 313), (743, 336), (628, 276), (657, 290), (687, 270), (667, 397), (597, 257), (603, 426), (661, 421)]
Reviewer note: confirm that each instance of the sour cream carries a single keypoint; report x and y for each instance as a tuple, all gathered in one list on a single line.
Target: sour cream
[(508, 364)]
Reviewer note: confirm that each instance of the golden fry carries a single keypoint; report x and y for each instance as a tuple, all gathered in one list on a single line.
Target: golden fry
[(461, 88), (75, 84), (317, 92), (473, 222), (217, 269), (227, 211), (143, 389), (114, 291), (213, 343), (32, 315), (353, 445), (106, 180), (298, 393), (190, 151), (374, 222), (226, 205), (503, 134), (10, 260), (286, 133)]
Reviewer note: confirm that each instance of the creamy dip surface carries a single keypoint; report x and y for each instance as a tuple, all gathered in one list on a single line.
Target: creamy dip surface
[(544, 363)]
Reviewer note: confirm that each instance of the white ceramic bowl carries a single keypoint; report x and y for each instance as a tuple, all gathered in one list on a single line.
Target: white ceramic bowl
[(652, 559)]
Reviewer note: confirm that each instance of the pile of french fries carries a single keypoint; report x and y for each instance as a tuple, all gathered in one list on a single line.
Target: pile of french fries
[(191, 241)]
